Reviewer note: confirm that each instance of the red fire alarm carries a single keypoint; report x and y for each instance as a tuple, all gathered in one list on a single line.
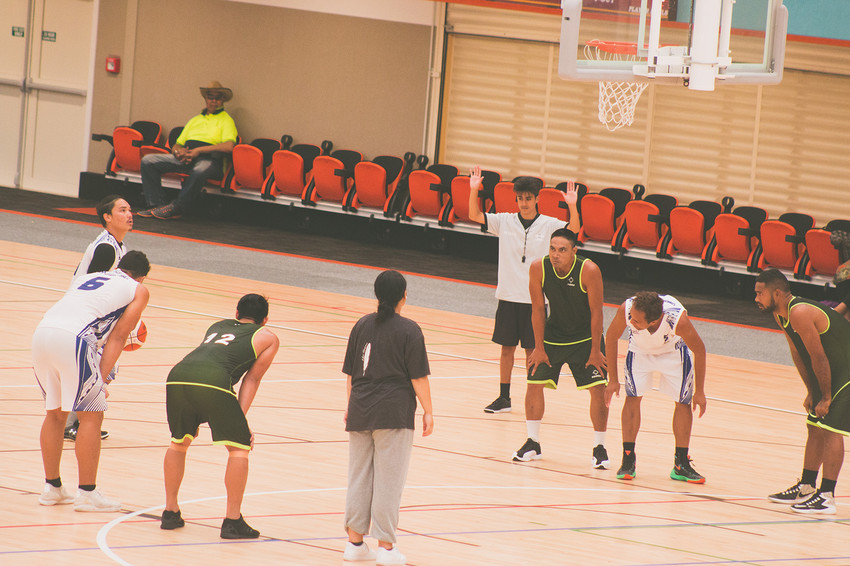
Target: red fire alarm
[(113, 64)]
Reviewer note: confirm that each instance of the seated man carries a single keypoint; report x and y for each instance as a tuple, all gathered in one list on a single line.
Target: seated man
[(197, 152)]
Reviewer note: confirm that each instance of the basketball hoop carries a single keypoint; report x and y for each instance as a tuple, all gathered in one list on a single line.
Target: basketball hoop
[(617, 99)]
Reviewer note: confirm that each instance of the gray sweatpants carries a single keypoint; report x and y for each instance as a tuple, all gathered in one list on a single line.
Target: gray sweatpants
[(377, 469)]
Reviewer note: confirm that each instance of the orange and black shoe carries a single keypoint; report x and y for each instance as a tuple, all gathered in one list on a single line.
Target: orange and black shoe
[(627, 470), (683, 471)]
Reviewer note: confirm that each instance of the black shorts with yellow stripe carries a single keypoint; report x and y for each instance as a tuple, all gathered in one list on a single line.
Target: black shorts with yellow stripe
[(188, 405), (575, 356), (838, 418)]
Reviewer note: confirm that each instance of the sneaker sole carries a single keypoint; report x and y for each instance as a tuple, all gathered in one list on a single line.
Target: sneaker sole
[(51, 502), (827, 511), (674, 476), (787, 501), (238, 536), (603, 465), (493, 411), (626, 476), (93, 509), (525, 458)]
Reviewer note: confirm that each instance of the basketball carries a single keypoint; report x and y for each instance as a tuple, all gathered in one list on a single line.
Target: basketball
[(136, 338)]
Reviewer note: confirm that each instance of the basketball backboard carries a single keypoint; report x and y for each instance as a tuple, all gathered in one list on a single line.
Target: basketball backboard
[(695, 42)]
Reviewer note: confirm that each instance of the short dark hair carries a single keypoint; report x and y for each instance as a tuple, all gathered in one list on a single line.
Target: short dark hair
[(774, 279), (390, 286), (105, 206), (650, 304), (253, 306), (526, 184), (565, 233), (135, 263)]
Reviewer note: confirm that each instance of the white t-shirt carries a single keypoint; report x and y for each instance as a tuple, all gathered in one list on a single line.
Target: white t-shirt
[(662, 340), (93, 304), (515, 242), (104, 238)]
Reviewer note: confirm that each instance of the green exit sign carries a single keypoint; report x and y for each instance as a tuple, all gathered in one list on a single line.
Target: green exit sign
[(48, 36), (17, 31)]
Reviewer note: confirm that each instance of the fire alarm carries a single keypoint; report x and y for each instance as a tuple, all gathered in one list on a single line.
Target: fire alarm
[(113, 64)]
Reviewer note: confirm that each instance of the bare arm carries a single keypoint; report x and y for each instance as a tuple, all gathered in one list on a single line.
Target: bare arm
[(685, 329), (118, 337), (804, 319), (591, 279), (266, 344), (612, 347), (475, 213), (571, 198), (538, 315), (422, 388)]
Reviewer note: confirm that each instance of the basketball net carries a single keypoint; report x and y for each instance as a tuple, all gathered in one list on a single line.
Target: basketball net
[(617, 99)]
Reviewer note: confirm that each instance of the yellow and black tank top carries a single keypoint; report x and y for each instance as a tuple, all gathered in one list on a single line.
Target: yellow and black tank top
[(835, 340), (226, 353), (569, 311)]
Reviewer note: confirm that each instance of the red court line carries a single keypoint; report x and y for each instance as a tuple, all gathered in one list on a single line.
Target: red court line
[(336, 262), (90, 211)]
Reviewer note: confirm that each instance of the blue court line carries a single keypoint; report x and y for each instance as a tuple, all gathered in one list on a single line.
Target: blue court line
[(750, 561)]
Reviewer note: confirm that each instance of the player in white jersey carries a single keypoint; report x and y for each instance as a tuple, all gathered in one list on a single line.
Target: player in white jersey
[(523, 238), (74, 349), (661, 339), (103, 254)]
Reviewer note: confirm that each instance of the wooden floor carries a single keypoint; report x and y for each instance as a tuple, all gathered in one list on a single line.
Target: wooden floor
[(465, 502)]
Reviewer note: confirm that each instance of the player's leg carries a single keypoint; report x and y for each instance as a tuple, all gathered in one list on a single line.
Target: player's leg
[(87, 447), (545, 376), (677, 381), (507, 329), (392, 459), (51, 441), (599, 420), (823, 500), (358, 497), (173, 469), (594, 380), (631, 425), (683, 418), (235, 480)]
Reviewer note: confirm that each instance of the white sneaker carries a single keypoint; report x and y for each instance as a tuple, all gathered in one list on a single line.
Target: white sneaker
[(356, 553), (55, 496), (95, 501), (390, 557)]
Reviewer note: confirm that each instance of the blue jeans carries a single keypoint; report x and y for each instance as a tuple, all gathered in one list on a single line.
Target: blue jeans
[(156, 165)]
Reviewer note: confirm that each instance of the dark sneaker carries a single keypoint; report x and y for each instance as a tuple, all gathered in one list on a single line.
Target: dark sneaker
[(797, 493), (529, 451), (171, 520), (145, 213), (822, 502), (167, 212), (237, 528), (104, 435), (683, 471), (71, 433), (500, 405), (627, 470), (600, 458)]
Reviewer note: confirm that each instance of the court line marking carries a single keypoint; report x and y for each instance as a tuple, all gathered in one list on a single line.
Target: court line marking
[(107, 528)]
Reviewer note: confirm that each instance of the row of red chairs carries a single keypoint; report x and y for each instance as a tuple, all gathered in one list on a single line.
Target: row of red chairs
[(716, 233), (407, 188)]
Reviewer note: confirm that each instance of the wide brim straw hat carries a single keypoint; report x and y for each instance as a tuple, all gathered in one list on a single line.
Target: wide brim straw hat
[(215, 86)]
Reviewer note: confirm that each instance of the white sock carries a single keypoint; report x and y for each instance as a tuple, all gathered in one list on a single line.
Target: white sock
[(598, 438), (533, 428)]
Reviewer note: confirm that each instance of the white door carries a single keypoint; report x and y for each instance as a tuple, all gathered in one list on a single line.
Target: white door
[(53, 142), (14, 36)]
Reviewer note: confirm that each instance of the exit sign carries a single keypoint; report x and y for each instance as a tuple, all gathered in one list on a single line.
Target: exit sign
[(17, 31), (48, 36)]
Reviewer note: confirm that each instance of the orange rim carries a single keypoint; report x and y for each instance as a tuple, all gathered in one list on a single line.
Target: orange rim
[(615, 47)]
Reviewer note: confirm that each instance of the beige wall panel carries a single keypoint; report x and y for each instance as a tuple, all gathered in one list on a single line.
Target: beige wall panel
[(65, 60), (358, 82)]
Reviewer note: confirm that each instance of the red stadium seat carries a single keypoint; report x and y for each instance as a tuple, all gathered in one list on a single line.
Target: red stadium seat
[(735, 236), (291, 171), (691, 228), (460, 195), (821, 257), (333, 177), (376, 181), (602, 214), (646, 222), (430, 192), (148, 149), (251, 165), (126, 154), (782, 241)]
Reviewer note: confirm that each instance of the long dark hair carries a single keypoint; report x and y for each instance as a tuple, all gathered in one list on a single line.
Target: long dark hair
[(390, 286)]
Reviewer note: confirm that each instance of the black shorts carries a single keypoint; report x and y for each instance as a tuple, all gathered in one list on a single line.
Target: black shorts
[(574, 355), (189, 405), (838, 417), (513, 325)]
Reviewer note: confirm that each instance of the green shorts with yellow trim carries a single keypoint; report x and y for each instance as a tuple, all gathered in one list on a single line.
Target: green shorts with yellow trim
[(838, 418), (575, 356), (190, 404)]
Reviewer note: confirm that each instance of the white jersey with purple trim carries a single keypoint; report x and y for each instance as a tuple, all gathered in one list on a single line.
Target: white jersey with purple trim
[(662, 340), (92, 305), (104, 238)]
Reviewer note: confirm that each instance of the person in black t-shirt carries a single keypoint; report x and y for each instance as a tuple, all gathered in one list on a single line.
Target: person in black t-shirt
[(387, 369)]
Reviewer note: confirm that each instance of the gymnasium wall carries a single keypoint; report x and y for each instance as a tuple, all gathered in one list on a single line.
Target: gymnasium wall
[(359, 82)]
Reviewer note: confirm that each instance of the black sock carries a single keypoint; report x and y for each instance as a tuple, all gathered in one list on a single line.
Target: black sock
[(827, 486), (628, 449), (681, 454), (505, 390), (87, 487), (55, 483), (357, 543), (810, 477)]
